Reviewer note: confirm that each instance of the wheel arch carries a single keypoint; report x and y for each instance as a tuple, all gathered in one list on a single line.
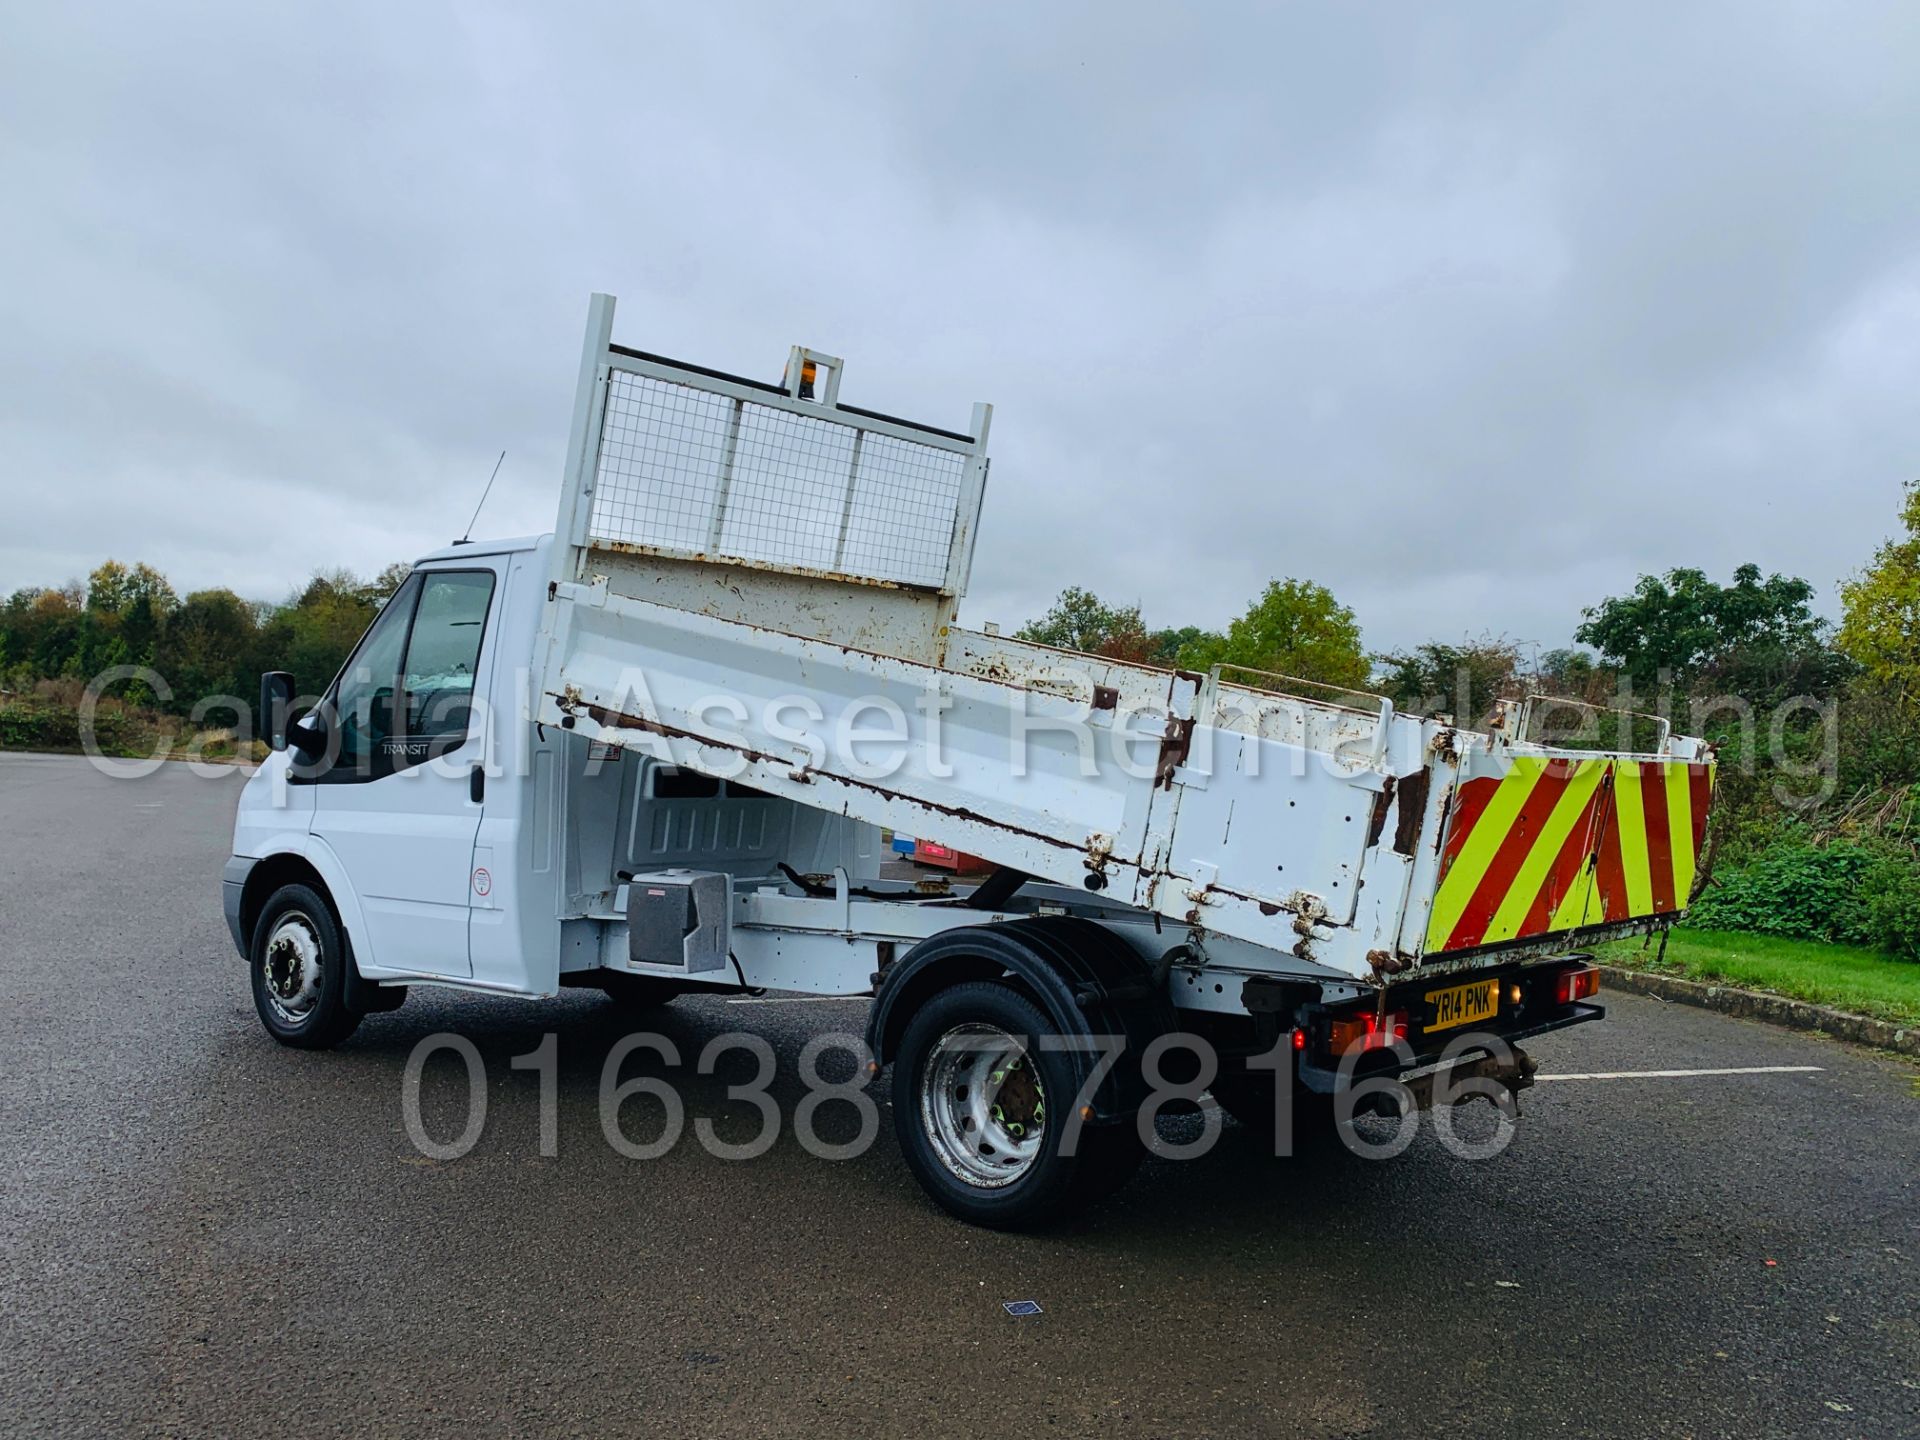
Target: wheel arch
[(313, 863), (1088, 982), (270, 875)]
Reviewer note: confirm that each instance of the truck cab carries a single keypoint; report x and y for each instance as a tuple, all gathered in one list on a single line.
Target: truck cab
[(382, 797), (452, 837)]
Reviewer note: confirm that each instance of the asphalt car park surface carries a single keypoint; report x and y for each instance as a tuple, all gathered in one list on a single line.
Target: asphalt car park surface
[(202, 1232)]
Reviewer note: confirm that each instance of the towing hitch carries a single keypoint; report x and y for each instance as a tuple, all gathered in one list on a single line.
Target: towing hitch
[(1510, 1075)]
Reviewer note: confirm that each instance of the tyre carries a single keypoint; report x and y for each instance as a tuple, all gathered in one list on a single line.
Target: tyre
[(978, 1108), (300, 962)]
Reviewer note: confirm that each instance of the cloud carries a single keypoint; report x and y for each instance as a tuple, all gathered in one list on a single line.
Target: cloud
[(1472, 317)]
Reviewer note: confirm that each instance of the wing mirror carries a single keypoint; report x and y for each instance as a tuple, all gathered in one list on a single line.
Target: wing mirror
[(276, 698), (276, 701)]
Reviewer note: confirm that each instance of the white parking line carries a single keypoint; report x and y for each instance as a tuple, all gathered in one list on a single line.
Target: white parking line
[(1688, 1074)]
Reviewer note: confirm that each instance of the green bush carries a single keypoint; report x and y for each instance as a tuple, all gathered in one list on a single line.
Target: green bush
[(1844, 892), (1892, 899), (39, 722), (1804, 891), (32, 724)]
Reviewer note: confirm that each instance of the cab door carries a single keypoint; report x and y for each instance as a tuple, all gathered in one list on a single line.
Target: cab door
[(399, 800)]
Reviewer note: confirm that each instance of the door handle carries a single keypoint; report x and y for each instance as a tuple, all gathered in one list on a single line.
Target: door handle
[(477, 784)]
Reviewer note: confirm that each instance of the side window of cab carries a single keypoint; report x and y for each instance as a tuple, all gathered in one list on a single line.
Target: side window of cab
[(362, 707), (406, 694), (443, 652)]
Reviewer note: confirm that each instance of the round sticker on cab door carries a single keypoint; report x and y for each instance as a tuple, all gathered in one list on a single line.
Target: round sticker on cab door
[(482, 882)]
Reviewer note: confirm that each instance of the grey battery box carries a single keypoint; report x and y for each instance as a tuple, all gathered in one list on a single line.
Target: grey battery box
[(682, 918)]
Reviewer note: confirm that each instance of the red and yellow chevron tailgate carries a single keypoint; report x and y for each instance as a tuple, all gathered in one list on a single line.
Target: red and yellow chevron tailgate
[(1555, 843)]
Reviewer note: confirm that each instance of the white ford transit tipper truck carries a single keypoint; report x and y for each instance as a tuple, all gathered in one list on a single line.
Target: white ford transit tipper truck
[(653, 752)]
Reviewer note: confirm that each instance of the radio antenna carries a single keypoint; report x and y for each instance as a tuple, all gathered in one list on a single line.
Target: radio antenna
[(483, 498)]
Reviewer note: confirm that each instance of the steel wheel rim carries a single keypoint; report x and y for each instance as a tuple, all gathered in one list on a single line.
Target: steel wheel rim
[(982, 1105), (291, 968)]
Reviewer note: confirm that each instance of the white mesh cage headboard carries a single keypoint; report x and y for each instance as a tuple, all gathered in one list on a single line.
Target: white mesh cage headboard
[(673, 459)]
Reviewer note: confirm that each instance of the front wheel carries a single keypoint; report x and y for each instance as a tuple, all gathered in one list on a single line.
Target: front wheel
[(300, 971), (982, 1113)]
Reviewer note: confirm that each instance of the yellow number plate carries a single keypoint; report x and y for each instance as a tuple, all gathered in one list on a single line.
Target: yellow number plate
[(1464, 1004)]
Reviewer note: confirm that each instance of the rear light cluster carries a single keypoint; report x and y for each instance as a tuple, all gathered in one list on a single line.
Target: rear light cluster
[(1576, 984), (1366, 1032)]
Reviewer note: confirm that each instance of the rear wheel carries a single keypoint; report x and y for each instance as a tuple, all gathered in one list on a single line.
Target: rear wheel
[(982, 1111), (300, 971)]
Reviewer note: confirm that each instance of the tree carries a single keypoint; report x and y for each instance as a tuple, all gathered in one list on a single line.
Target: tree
[(1081, 620), (1295, 628), (107, 588), (1880, 625), (209, 647), (1169, 645), (314, 633), (213, 643), (19, 632), (1565, 671), (113, 589), (1681, 627), (1460, 680), (47, 629), (388, 581), (120, 620)]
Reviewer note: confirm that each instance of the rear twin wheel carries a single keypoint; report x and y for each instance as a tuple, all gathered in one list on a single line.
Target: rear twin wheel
[(985, 1115)]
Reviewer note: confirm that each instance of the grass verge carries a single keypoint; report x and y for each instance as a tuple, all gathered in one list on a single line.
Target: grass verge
[(1865, 982)]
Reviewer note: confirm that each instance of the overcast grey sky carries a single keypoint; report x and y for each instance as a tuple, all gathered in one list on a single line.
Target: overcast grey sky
[(1470, 312)]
